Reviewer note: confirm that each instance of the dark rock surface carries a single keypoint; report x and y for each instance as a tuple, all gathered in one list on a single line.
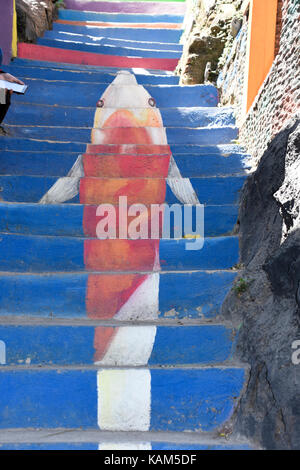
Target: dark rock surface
[(34, 17), (267, 310)]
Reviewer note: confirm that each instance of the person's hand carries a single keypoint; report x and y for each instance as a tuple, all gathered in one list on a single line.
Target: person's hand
[(10, 78)]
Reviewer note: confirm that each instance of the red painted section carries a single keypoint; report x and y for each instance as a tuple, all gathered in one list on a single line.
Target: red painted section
[(102, 339), (120, 255), (128, 149), (53, 54), (108, 190), (106, 294), (123, 135), (126, 166), (91, 220)]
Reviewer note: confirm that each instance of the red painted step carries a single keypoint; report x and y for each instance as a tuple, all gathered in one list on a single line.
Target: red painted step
[(53, 54)]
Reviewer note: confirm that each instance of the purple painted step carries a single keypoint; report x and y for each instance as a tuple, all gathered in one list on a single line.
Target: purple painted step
[(155, 8)]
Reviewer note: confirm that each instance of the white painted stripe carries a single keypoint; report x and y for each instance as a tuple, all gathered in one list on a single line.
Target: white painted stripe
[(124, 399), (125, 446), (143, 303), (131, 346)]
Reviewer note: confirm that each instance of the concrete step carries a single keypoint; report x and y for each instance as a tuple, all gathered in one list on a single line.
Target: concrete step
[(214, 445), (26, 145), (35, 51), (38, 64), (148, 7), (121, 346), (87, 94), (26, 253), (107, 41), (71, 220), (59, 164), (116, 17), (201, 399), (210, 191), (127, 135), (184, 296), (45, 115), (160, 34), (90, 76), (109, 49)]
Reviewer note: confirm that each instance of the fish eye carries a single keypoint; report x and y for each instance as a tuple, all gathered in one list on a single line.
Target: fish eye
[(100, 103), (152, 102)]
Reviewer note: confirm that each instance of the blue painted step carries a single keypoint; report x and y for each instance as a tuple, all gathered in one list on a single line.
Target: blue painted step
[(67, 220), (24, 145), (43, 115), (201, 399), (80, 38), (45, 65), (210, 191), (135, 34), (57, 164), (74, 345), (191, 295), (87, 94), (54, 73), (46, 254), (175, 135), (213, 446), (109, 50)]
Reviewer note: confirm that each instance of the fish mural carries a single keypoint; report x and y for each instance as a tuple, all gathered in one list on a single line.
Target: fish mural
[(128, 156)]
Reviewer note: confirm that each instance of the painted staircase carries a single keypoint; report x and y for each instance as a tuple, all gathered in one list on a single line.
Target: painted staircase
[(119, 343)]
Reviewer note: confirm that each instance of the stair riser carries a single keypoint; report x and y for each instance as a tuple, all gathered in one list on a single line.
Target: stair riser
[(36, 52), (25, 145), (134, 34), (84, 117), (80, 38), (153, 8), (87, 94), (193, 295), (121, 446), (200, 399), (71, 220), (48, 164), (117, 346), (210, 191), (73, 15), (109, 50), (27, 72), (175, 135), (46, 254)]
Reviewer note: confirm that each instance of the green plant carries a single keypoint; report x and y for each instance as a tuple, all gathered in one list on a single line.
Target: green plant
[(241, 286), (60, 4)]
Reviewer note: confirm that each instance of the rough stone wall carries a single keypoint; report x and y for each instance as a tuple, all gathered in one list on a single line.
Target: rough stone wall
[(207, 33), (265, 302), (34, 17), (231, 79), (279, 96)]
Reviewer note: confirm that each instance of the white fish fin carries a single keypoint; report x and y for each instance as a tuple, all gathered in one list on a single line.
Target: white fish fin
[(181, 187), (66, 187)]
